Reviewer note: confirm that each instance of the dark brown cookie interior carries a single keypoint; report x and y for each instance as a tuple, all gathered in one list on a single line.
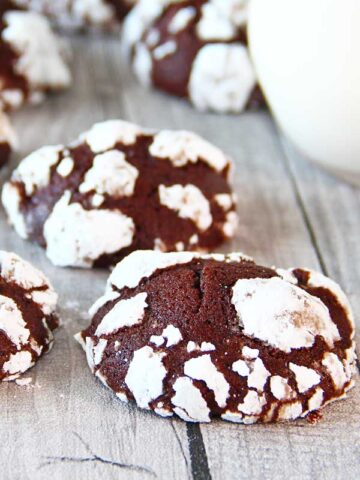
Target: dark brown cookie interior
[(5, 151)]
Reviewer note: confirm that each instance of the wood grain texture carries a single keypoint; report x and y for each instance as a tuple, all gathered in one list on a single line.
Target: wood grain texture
[(67, 425)]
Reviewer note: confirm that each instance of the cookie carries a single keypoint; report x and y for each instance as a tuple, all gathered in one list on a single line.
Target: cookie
[(8, 140), (121, 188), (204, 336), (81, 14), (27, 315), (31, 58), (195, 49)]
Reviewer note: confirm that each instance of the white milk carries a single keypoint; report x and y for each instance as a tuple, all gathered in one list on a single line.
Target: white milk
[(307, 56)]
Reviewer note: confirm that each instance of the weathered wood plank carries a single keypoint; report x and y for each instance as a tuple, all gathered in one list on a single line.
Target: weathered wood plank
[(66, 424), (276, 226), (332, 210)]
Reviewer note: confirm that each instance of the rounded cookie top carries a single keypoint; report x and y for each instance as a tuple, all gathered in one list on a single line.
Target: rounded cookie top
[(205, 336), (8, 139), (31, 59), (196, 49), (27, 315), (104, 14), (121, 188)]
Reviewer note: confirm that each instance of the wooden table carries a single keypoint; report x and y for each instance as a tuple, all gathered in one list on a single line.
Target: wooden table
[(66, 425)]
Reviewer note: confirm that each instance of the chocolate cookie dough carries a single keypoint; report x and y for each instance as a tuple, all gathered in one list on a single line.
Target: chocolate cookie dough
[(31, 58), (27, 315), (204, 336), (8, 141), (195, 49), (121, 188), (104, 14)]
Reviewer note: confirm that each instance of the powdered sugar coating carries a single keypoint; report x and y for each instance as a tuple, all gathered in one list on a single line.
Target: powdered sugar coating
[(236, 10), (253, 403), (164, 50), (142, 64), (17, 364), (145, 376), (120, 188), (77, 237), (306, 378), (11, 200), (40, 62), (189, 202), (65, 167), (142, 264), (336, 369), (170, 335), (12, 322), (280, 387), (105, 135), (80, 14), (258, 375), (126, 313), (110, 174), (184, 147), (139, 20), (181, 19), (281, 314), (222, 78), (194, 49), (213, 26), (318, 280), (193, 351), (95, 12), (27, 315), (202, 368), (188, 402), (34, 171)]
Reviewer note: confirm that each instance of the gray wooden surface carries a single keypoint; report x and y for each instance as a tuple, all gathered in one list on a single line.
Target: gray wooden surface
[(65, 424)]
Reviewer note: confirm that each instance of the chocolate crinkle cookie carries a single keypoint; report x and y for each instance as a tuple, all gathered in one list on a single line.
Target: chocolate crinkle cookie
[(195, 49), (205, 336), (27, 315), (8, 139), (121, 188), (31, 58), (80, 14)]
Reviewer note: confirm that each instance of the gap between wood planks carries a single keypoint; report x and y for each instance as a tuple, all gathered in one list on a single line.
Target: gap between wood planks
[(199, 462), (306, 217), (301, 205)]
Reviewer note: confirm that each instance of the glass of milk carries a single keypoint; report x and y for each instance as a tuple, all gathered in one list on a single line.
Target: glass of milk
[(307, 56)]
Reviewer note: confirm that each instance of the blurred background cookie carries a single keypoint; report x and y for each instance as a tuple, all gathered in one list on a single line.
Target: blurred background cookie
[(32, 58), (75, 14), (195, 49)]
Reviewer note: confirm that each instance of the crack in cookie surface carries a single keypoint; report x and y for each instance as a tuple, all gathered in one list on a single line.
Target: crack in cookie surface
[(219, 336)]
